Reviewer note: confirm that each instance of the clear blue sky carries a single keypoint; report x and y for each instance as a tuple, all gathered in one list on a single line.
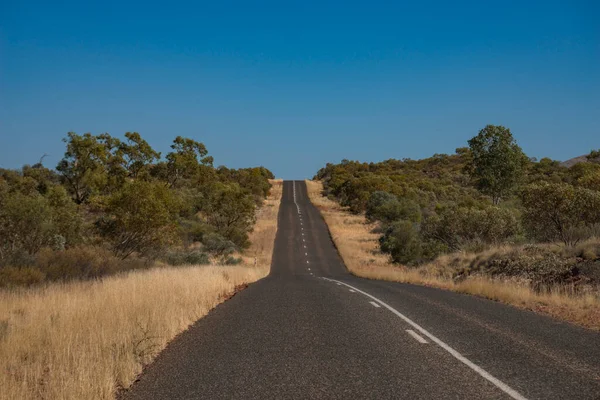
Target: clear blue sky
[(293, 85)]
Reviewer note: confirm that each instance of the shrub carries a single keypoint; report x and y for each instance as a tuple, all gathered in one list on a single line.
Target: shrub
[(386, 207), (77, 263), (457, 227), (402, 241), (218, 245), (193, 231), (560, 211), (186, 258), (25, 223), (232, 260), (20, 276), (542, 268)]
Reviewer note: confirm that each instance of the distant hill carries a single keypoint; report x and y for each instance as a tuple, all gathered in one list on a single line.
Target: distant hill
[(575, 160)]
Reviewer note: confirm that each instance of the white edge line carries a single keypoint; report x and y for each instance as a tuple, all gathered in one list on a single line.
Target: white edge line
[(483, 373), (416, 336)]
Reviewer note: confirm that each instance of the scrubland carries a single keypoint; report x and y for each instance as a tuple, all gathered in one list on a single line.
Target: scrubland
[(88, 339), (465, 272)]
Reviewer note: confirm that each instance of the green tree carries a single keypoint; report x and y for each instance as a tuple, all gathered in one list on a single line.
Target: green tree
[(185, 161), (83, 167), (230, 210), (137, 155), (497, 162), (141, 217)]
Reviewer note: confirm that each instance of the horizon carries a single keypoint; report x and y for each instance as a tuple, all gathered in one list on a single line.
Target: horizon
[(292, 87)]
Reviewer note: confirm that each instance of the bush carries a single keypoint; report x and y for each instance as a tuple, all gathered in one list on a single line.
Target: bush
[(25, 223), (218, 245), (457, 227), (186, 258), (20, 276), (193, 231), (232, 261), (386, 207), (560, 212), (402, 241), (77, 263), (542, 268)]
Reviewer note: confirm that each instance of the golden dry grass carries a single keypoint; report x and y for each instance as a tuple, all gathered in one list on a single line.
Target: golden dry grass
[(358, 247), (85, 340), (262, 237)]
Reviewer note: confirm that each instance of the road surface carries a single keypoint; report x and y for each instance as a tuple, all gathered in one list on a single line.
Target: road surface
[(310, 330)]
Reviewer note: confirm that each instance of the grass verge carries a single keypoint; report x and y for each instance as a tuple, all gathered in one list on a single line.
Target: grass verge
[(262, 238), (85, 340), (358, 247)]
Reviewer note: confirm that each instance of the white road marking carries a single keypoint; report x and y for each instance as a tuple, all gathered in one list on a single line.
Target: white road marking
[(307, 262), (483, 373), (416, 336), (305, 254), (375, 304), (309, 269), (352, 291)]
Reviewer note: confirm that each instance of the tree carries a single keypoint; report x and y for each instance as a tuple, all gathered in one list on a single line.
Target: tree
[(141, 217), (497, 163), (185, 160), (137, 155), (559, 211), (230, 210), (83, 167)]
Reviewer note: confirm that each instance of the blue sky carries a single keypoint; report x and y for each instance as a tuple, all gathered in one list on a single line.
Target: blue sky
[(293, 85)]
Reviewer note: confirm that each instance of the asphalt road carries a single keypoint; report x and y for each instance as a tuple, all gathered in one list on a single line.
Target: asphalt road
[(310, 330)]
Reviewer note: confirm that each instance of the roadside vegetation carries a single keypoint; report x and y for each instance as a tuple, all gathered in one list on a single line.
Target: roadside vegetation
[(114, 205), (487, 220), (105, 261)]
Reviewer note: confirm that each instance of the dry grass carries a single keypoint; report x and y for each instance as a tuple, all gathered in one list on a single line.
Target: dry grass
[(263, 235), (359, 249), (85, 340)]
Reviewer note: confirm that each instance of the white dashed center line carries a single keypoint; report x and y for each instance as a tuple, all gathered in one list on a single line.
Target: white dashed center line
[(375, 304)]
